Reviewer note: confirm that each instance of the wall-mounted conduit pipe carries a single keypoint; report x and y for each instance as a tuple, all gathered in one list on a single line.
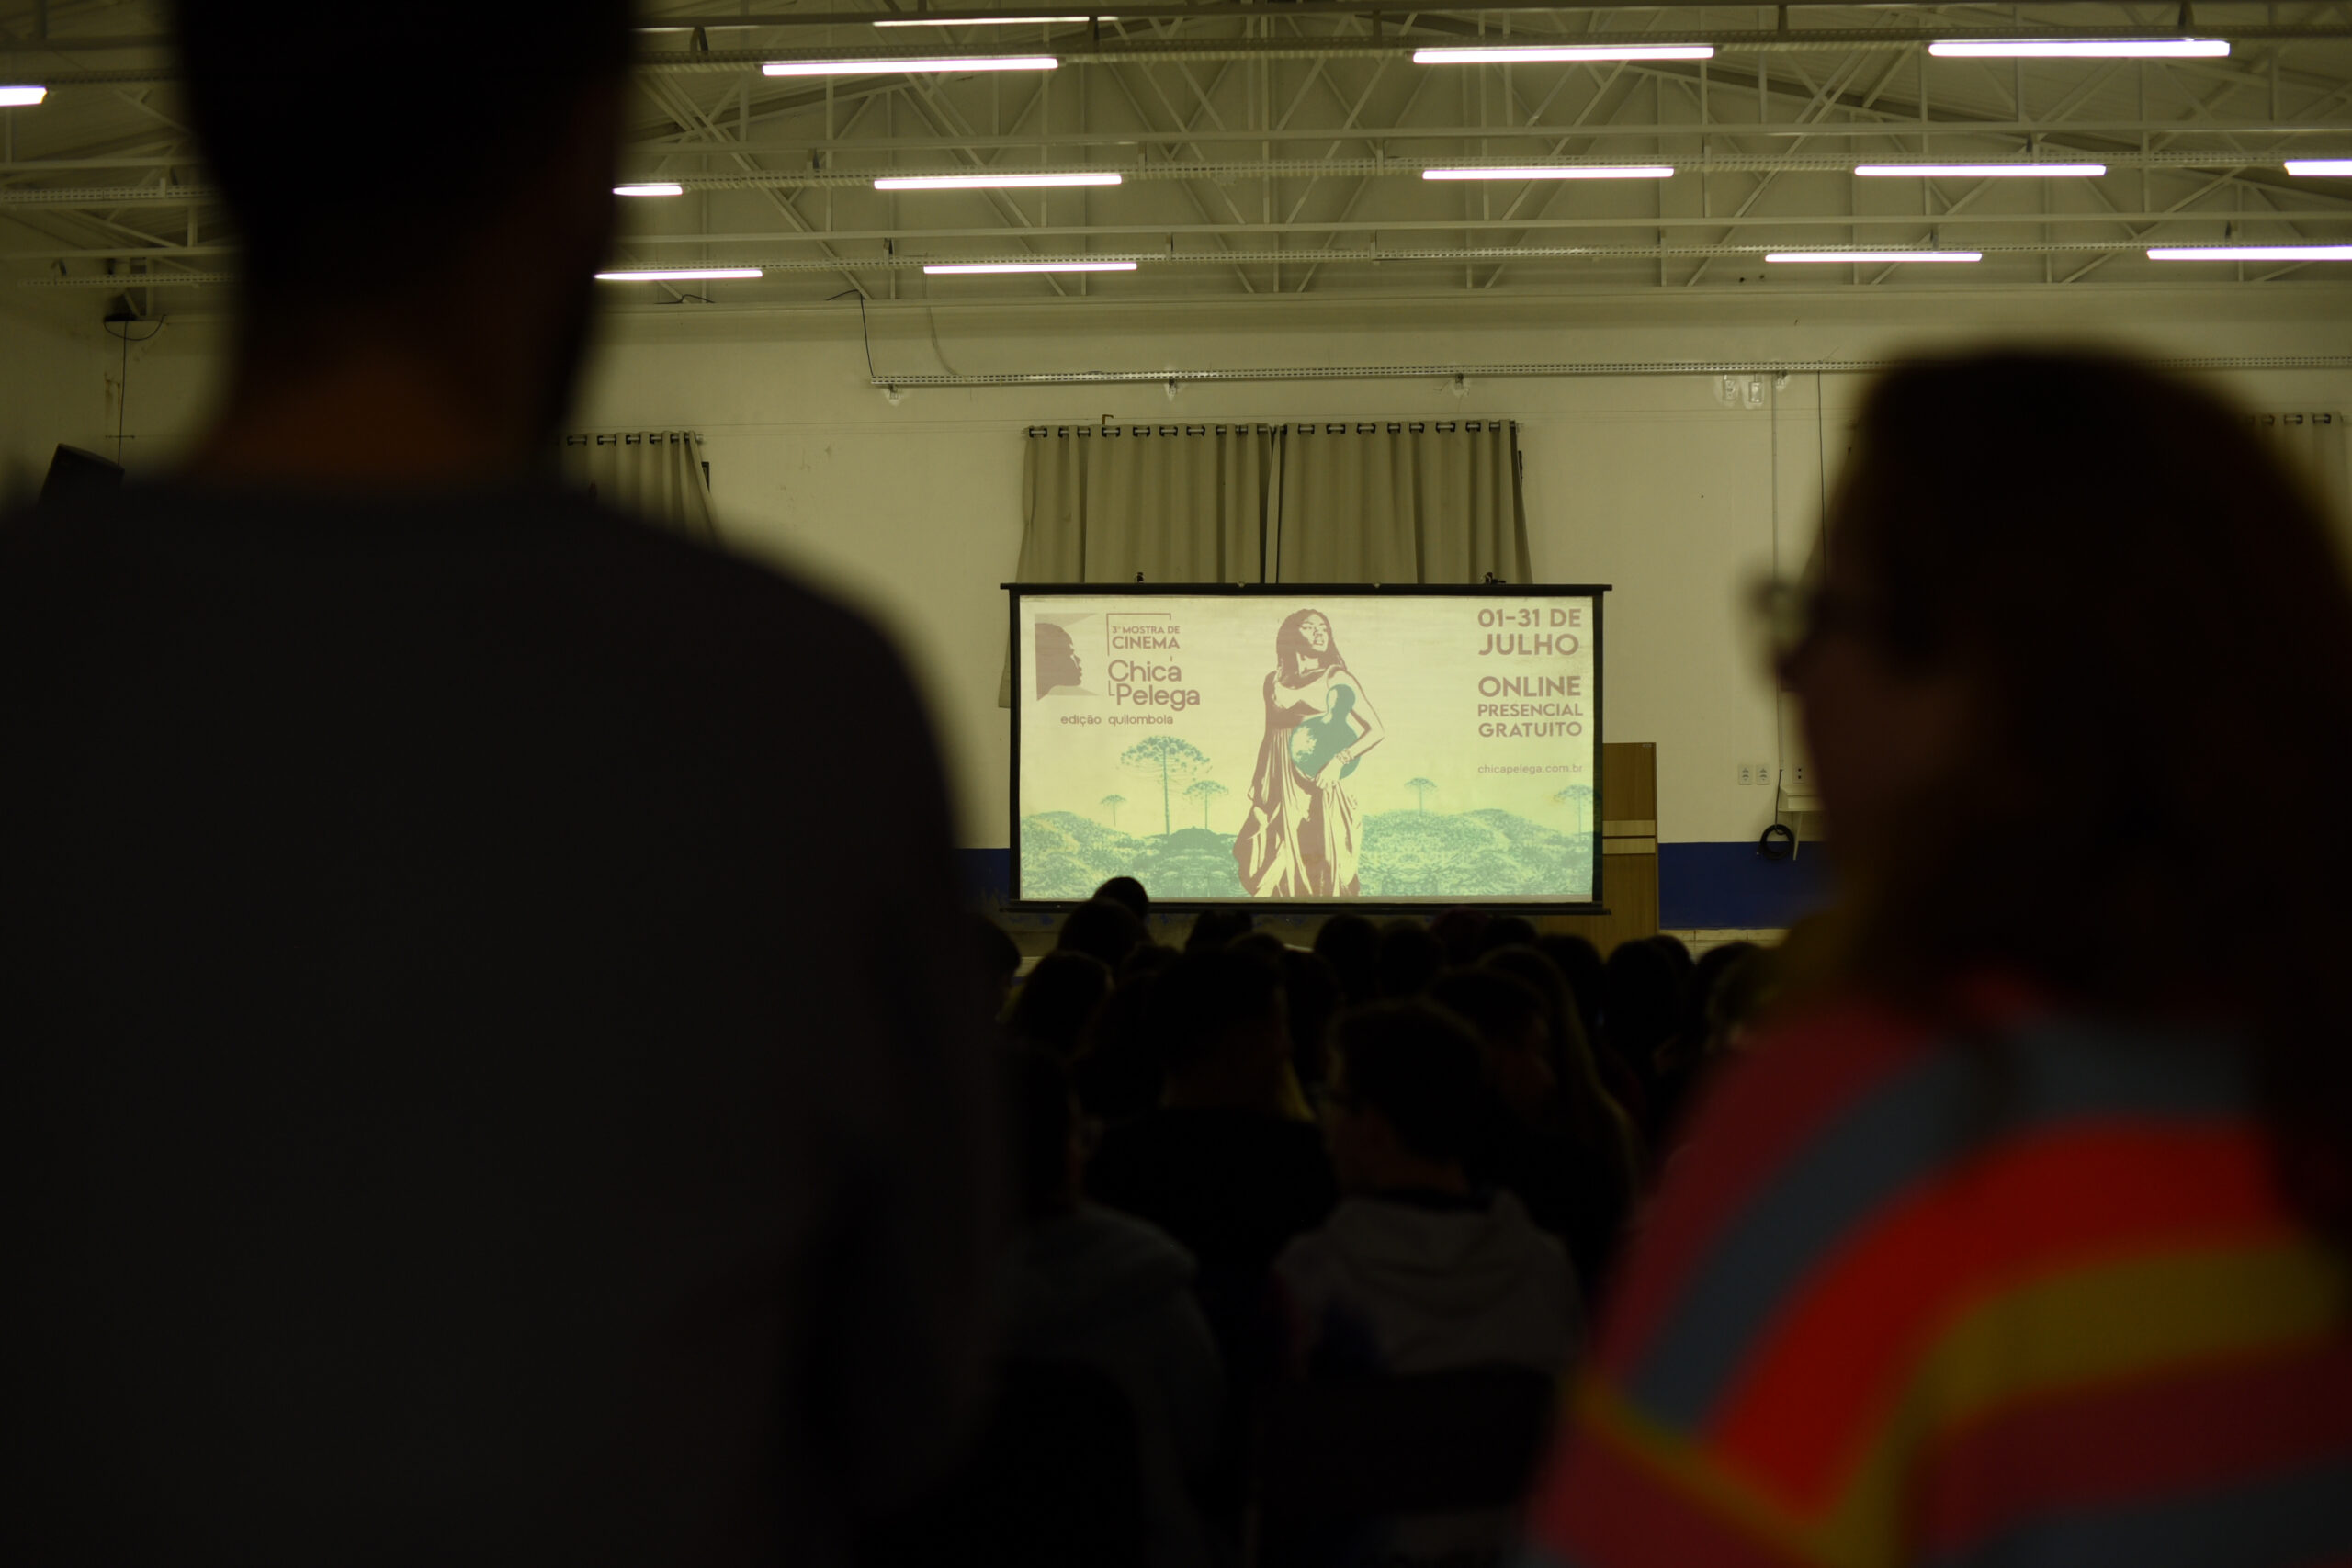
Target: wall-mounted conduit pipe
[(1563, 368)]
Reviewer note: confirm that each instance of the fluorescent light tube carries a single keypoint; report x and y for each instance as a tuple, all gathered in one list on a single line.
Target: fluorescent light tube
[(1554, 171), (2081, 48), (992, 182), (655, 189), (2338, 167), (678, 273), (1548, 54), (1979, 171), (972, 21), (896, 67), (2251, 252), (1875, 256), (21, 97), (1032, 266)]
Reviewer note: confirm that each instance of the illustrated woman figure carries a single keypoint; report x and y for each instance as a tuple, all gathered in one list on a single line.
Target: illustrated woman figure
[(1301, 837)]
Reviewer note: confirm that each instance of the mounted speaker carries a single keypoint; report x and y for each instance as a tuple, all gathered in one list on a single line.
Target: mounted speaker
[(77, 475)]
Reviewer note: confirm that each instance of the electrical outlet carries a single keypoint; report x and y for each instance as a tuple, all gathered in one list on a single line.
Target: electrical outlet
[(1747, 774), (1799, 771), (1764, 773)]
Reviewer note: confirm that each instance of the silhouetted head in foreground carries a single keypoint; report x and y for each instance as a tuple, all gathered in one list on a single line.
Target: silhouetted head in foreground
[(1351, 945), (1121, 1061), (1580, 966), (1505, 930), (1406, 1099), (1046, 1151), (1640, 997), (1409, 958), (1054, 1006), (2077, 620), (1000, 960), (1507, 1013), (1591, 1113), (1101, 929), (1224, 1035), (1150, 958), (414, 286), (1311, 995), (1126, 890), (1458, 931), (1216, 928)]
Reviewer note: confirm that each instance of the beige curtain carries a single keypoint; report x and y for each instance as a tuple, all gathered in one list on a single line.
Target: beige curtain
[(1422, 501), (656, 474), (1177, 502), (1434, 500), (2319, 447)]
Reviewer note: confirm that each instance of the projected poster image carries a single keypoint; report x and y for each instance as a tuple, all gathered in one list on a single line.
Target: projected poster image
[(1321, 747)]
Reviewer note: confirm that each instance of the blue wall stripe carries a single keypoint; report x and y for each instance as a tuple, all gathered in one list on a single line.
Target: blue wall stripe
[(988, 874), (1716, 887)]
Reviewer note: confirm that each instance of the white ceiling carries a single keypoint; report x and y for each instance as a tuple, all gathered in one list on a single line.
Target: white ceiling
[(1277, 148)]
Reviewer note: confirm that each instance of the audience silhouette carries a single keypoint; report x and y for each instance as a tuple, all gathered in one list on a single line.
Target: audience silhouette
[(468, 1101), (1061, 994), (1088, 1284), (2016, 1233), (463, 1107)]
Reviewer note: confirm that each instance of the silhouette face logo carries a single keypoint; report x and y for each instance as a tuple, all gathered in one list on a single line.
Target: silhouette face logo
[(1056, 663)]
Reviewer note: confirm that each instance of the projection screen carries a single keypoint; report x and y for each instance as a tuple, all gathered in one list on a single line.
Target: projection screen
[(1307, 744)]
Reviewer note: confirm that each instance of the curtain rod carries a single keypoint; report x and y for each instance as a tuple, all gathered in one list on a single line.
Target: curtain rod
[(1300, 427), (1561, 369)]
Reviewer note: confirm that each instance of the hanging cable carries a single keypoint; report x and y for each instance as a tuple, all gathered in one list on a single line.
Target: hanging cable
[(931, 320), (864, 330), (122, 383)]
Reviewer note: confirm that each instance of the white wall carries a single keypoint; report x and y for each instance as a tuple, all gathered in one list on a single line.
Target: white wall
[(1642, 481), (58, 383)]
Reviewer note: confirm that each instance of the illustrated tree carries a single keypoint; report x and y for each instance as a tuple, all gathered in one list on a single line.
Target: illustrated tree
[(1421, 788), (1205, 791), (1172, 761), (1114, 801), (1579, 799)]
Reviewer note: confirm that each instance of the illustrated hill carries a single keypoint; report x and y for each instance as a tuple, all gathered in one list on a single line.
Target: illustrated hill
[(1487, 854), (1065, 855)]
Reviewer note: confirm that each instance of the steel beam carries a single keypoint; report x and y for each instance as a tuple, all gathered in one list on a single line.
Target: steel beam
[(1165, 234), (188, 157), (786, 267), (1242, 9), (704, 62)]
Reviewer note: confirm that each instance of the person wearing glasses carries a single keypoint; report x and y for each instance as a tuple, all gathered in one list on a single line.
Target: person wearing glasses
[(2019, 1235)]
